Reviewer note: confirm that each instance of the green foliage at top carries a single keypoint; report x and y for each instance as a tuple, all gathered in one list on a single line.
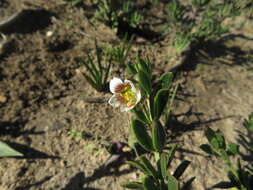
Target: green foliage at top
[(246, 6), (119, 53), (113, 12), (200, 21)]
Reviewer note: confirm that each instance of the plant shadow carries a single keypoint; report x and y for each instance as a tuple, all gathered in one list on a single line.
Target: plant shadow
[(15, 129), (178, 128), (246, 141), (27, 187), (79, 180), (207, 52), (26, 21), (124, 28)]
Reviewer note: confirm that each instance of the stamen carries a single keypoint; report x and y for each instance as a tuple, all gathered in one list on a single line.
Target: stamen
[(121, 99), (130, 104), (122, 87)]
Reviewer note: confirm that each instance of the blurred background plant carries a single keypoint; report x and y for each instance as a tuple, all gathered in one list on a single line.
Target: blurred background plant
[(119, 53), (247, 144), (246, 6), (98, 72), (113, 12), (198, 22), (241, 177)]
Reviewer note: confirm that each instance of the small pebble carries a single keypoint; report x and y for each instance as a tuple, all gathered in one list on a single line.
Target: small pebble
[(49, 33), (63, 163), (3, 99)]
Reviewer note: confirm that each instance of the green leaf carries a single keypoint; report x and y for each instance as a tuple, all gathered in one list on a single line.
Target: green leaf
[(88, 64), (206, 148), (221, 140), (244, 175), (234, 178), (98, 54), (239, 167), (133, 185), (164, 165), (163, 186), (158, 136), (149, 167), (141, 134), (143, 66), (216, 139), (181, 169), (132, 141), (152, 107), (140, 115), (200, 3), (168, 112), (166, 80), (171, 155), (107, 71), (233, 149), (6, 150), (139, 166), (160, 102), (210, 135), (248, 123), (149, 184), (172, 183), (223, 154), (93, 68), (131, 69), (144, 81), (93, 83)]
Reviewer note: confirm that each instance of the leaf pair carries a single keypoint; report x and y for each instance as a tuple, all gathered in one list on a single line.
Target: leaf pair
[(144, 75), (157, 103), (218, 146), (155, 142)]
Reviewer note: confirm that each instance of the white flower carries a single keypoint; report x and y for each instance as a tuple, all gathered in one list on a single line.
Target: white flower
[(125, 95)]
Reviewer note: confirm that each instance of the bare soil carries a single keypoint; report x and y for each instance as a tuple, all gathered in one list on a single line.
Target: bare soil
[(43, 93)]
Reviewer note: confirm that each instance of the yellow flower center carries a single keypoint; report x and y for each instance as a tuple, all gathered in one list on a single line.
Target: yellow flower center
[(128, 96)]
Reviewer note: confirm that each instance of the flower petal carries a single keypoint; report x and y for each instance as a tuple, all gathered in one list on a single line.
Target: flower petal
[(136, 91), (130, 82), (125, 108), (114, 83), (138, 96), (114, 101)]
